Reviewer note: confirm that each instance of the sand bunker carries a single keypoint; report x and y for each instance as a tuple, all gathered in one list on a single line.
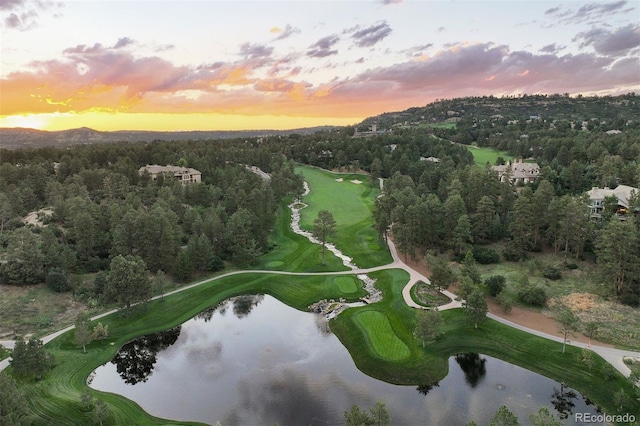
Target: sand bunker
[(339, 180), (356, 181)]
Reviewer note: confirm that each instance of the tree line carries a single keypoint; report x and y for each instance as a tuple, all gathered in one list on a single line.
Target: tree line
[(102, 216)]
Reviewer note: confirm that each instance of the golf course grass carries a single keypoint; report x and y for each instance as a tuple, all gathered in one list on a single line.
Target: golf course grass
[(347, 284), (379, 333), (378, 336), (429, 365), (351, 205), (294, 253), (482, 156)]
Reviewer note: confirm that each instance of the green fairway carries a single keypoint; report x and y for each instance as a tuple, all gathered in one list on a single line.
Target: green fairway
[(295, 253), (379, 333), (56, 399), (426, 366), (483, 155), (379, 336), (351, 205), (347, 284)]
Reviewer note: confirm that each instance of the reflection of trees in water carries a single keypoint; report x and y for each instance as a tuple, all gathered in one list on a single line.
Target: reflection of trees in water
[(207, 314), (425, 389), (562, 401), (473, 368), (242, 305), (322, 324), (135, 360)]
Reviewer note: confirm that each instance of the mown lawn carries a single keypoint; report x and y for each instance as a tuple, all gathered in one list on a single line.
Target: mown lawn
[(483, 155), (56, 399), (426, 366), (351, 205), (295, 253), (379, 333)]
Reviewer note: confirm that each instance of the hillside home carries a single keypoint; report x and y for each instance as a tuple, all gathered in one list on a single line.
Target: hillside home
[(185, 175), (623, 193), (518, 172)]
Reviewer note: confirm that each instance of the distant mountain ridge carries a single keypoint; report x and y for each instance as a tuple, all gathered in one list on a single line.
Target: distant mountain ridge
[(20, 137), (558, 107)]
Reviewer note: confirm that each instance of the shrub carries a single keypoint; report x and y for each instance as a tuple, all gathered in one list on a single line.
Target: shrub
[(513, 254), (552, 273), (630, 299), (572, 265), (505, 301), (495, 284), (485, 256), (533, 296), (57, 280)]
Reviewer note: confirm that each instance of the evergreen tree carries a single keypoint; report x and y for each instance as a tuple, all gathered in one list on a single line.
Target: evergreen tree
[(14, 410), (428, 323), (504, 417), (617, 251), (128, 281), (29, 359), (483, 220)]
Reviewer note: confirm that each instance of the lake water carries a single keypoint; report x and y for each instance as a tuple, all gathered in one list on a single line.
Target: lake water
[(254, 360)]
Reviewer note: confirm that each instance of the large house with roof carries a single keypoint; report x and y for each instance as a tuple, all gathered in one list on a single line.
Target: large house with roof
[(185, 175), (518, 172), (622, 193)]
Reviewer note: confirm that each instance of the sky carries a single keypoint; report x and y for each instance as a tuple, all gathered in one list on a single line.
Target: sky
[(267, 64)]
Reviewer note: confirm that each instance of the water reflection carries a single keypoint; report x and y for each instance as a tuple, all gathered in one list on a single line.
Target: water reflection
[(425, 389), (135, 360), (473, 367), (242, 305), (563, 400), (279, 365)]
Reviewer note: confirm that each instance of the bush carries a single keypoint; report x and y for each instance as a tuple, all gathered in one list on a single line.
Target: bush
[(505, 301), (630, 299), (485, 256), (552, 273), (57, 280), (533, 296), (572, 265), (512, 254), (495, 284)]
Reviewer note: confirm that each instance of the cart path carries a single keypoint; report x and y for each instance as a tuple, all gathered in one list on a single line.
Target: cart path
[(611, 355)]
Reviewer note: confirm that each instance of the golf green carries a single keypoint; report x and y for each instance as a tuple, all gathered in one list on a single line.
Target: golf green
[(381, 336), (346, 284)]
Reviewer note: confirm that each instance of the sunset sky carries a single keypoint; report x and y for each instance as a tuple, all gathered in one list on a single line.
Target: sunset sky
[(182, 65)]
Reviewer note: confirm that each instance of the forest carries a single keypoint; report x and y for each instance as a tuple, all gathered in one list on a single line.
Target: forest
[(95, 206)]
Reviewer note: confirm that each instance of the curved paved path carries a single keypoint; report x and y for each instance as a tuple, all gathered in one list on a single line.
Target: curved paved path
[(611, 355)]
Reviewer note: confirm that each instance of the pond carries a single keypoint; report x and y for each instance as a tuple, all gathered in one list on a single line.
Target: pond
[(254, 360)]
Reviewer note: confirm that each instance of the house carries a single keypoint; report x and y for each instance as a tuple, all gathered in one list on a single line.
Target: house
[(518, 172), (185, 175), (430, 159), (623, 194)]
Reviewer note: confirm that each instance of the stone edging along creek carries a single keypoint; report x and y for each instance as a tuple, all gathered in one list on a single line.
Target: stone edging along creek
[(331, 308)]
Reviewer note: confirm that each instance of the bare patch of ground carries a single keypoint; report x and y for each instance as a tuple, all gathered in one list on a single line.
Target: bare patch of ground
[(37, 217), (35, 310), (540, 321)]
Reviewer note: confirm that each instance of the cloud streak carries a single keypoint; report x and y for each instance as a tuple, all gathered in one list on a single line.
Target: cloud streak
[(588, 12), (23, 15), (324, 47), (372, 35), (611, 43), (90, 77)]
